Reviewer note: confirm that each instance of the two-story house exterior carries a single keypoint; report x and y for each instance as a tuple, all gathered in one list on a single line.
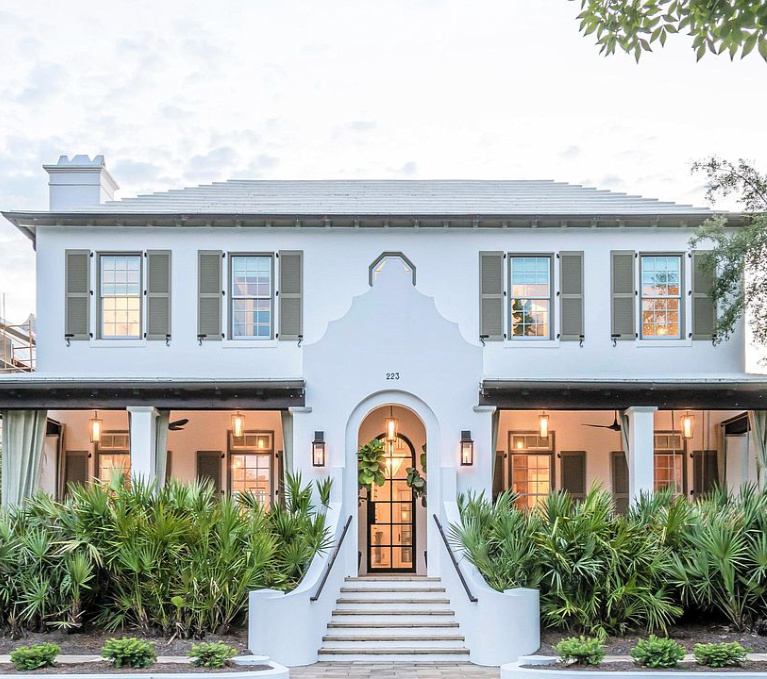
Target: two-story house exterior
[(520, 335)]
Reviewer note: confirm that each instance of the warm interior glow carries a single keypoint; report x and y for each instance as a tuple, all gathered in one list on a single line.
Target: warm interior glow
[(95, 428), (543, 425), (391, 429), (238, 425), (467, 453), (688, 425), (520, 444), (394, 459), (318, 453)]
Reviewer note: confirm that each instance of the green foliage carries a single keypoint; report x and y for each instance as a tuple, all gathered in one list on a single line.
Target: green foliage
[(417, 484), (720, 655), (212, 654), (324, 489), (522, 321), (717, 26), (735, 258), (581, 650), (371, 464), (598, 572), (657, 652), (176, 560), (129, 652), (34, 657)]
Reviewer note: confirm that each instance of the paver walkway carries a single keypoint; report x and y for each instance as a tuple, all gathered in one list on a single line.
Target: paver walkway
[(357, 670)]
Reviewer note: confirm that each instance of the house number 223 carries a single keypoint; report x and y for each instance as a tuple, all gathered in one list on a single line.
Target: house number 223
[(392, 376)]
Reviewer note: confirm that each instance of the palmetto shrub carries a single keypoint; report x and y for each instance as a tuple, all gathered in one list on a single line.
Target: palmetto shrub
[(600, 572), (174, 560)]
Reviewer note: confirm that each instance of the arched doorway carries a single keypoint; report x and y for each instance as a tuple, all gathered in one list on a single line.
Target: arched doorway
[(392, 520)]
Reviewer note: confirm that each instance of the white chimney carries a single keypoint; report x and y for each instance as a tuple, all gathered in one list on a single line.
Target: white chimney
[(79, 182)]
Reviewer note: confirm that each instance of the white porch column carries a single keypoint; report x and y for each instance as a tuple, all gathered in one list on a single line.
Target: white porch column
[(641, 448), (143, 441)]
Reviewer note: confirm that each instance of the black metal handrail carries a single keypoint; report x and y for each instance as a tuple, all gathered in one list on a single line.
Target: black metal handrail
[(332, 560), (472, 598)]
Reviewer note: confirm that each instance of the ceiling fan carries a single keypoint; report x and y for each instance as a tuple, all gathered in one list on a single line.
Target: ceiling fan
[(178, 425), (615, 426)]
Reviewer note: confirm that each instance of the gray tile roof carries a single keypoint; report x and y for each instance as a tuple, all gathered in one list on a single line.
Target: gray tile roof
[(393, 197)]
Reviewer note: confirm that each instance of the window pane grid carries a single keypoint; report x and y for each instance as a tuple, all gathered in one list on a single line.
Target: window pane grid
[(530, 279), (251, 293), (530, 478), (661, 278), (252, 473), (120, 296)]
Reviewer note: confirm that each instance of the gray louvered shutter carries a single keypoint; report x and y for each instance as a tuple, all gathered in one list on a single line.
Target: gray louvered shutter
[(620, 478), (703, 307), (210, 294), (573, 469), (491, 295), (291, 294), (209, 468), (77, 308), (157, 294), (622, 291), (571, 295), (75, 468)]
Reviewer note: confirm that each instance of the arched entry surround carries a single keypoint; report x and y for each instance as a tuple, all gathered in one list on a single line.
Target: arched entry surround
[(408, 402)]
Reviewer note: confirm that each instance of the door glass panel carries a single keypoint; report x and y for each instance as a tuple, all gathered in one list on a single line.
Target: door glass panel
[(383, 512)]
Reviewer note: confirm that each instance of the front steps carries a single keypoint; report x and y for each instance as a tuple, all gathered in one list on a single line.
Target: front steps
[(393, 619)]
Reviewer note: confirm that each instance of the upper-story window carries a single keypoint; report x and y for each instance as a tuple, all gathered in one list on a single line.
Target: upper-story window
[(120, 296), (661, 296), (530, 299), (251, 309)]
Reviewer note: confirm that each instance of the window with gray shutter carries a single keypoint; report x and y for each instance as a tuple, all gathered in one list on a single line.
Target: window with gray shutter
[(573, 472), (491, 295), (622, 292), (705, 465), (77, 294), (703, 307), (620, 481), (209, 468), (571, 295), (291, 294), (210, 294), (75, 469), (157, 294)]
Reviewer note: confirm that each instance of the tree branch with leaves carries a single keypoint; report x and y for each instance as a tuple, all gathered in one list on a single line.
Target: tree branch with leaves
[(736, 258), (716, 26)]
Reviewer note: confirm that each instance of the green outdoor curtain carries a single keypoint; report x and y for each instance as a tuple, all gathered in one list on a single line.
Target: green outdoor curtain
[(23, 438)]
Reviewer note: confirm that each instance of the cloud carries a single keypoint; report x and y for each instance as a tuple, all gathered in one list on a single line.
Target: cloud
[(135, 171), (43, 82), (409, 169), (570, 152)]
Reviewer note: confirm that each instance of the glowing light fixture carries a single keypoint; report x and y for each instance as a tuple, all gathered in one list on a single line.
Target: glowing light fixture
[(395, 458), (318, 449), (95, 427), (467, 449), (238, 425), (543, 425), (391, 426), (688, 425)]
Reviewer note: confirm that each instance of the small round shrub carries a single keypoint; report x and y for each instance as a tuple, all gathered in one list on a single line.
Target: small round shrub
[(212, 654), (580, 650), (657, 652), (129, 652), (720, 655), (34, 657)]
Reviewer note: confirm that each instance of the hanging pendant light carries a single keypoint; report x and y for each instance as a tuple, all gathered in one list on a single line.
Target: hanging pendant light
[(543, 425), (688, 425), (394, 459), (238, 425), (95, 427), (391, 426)]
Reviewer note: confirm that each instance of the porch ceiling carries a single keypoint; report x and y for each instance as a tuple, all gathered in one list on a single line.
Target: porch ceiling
[(728, 394), (60, 394)]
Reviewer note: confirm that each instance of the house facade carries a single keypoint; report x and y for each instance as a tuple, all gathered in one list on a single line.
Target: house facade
[(494, 335)]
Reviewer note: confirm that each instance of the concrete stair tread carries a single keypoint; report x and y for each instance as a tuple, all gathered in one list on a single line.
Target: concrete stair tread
[(394, 637), (390, 612), (393, 578), (344, 600), (394, 650), (393, 625), (378, 590)]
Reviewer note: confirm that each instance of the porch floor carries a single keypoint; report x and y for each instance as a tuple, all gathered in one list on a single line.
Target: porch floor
[(399, 670)]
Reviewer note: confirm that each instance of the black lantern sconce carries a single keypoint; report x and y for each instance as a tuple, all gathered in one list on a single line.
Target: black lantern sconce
[(467, 449), (318, 449)]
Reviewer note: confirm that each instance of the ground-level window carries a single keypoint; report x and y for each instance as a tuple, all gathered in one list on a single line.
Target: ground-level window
[(251, 460), (669, 462), (113, 456), (251, 297), (530, 299), (531, 467), (120, 296), (661, 278)]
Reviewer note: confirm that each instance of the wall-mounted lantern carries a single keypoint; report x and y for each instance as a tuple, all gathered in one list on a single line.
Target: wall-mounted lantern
[(688, 425), (543, 425), (95, 427), (238, 425), (318, 449), (467, 449)]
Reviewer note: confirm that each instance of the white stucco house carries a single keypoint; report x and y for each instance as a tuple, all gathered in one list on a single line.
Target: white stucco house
[(525, 335)]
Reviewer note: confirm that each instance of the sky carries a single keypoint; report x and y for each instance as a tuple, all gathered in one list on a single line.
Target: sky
[(183, 93)]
